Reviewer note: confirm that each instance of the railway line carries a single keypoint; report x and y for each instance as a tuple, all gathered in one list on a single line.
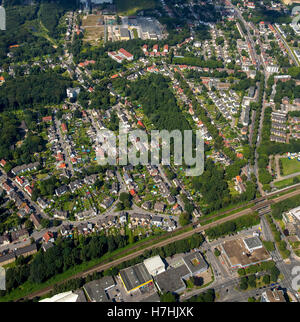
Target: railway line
[(103, 266)]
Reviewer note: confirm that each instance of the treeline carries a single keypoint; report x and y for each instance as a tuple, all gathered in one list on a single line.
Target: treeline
[(207, 296), (65, 254), (263, 161), (68, 253), (51, 11), (258, 107), (280, 243), (279, 208), (215, 195), (250, 281), (233, 226), (261, 13), (244, 84), (196, 61), (23, 21), (45, 88)]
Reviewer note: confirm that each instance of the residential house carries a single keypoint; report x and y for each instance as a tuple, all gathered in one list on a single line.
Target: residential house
[(19, 235), (48, 237), (159, 207), (61, 190), (157, 221), (36, 220), (107, 202)]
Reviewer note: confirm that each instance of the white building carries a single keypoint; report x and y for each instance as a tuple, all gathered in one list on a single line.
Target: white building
[(295, 213), (252, 243), (62, 297), (154, 265), (272, 69)]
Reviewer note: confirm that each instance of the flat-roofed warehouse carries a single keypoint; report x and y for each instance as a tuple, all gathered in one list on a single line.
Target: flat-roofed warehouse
[(172, 280), (154, 265), (135, 277), (96, 291), (195, 263), (124, 34), (238, 255)]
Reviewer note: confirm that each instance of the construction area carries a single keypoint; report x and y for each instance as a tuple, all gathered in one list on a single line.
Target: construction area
[(135, 27), (94, 28), (243, 252)]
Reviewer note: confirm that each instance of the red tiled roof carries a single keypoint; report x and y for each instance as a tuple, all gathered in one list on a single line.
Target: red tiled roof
[(28, 189), (19, 180), (48, 235), (125, 53), (47, 118), (64, 127)]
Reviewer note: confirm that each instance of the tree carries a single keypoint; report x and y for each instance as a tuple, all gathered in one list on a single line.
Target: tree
[(217, 252), (167, 297), (274, 274), (266, 279), (184, 219), (197, 280), (252, 281), (243, 285), (241, 272), (45, 223)]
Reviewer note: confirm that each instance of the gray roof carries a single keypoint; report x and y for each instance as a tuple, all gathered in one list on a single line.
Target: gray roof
[(81, 296), (135, 276), (26, 249), (124, 32), (95, 290), (47, 246), (171, 279), (6, 257), (157, 218), (195, 262), (253, 242)]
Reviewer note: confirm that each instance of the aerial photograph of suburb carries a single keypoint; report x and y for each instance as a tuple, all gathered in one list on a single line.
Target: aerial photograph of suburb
[(149, 154)]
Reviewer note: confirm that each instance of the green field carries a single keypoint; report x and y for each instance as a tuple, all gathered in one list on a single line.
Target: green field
[(130, 7), (285, 183), (290, 166)]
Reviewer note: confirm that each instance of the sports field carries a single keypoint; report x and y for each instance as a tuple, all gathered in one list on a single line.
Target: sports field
[(289, 166), (130, 7)]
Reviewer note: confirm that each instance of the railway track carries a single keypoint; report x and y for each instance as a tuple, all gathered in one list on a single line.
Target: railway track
[(104, 266)]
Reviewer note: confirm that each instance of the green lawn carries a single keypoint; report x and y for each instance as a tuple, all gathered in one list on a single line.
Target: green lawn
[(290, 166), (285, 183), (135, 33), (130, 7)]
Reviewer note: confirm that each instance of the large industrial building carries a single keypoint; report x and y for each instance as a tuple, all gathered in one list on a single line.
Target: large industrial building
[(172, 280), (96, 291), (135, 277)]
